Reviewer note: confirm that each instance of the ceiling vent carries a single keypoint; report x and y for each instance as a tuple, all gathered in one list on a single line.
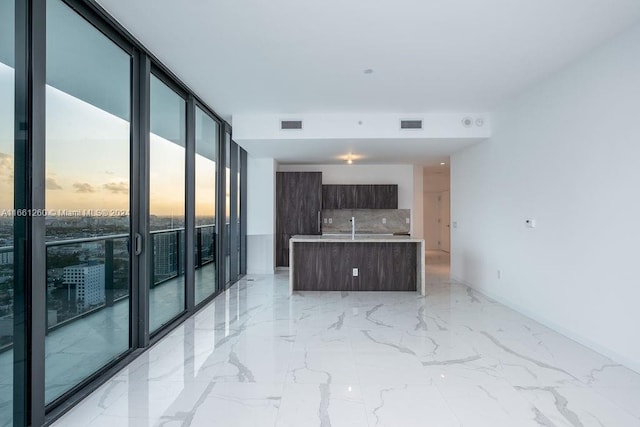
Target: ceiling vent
[(290, 124), (410, 124)]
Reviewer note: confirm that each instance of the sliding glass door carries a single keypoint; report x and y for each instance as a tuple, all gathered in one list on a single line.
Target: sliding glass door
[(234, 212), (234, 233), (87, 194), (207, 136), (120, 204), (7, 252), (166, 204), (226, 232)]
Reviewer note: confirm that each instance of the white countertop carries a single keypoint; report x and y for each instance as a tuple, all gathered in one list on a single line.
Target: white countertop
[(345, 238)]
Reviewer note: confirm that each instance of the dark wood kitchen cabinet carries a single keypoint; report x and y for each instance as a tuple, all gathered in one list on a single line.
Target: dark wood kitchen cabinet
[(298, 206), (373, 196), (385, 196)]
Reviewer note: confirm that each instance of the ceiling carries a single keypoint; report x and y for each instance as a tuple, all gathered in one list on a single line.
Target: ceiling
[(297, 57)]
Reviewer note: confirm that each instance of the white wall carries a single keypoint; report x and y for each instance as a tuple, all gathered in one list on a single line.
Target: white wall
[(354, 126), (566, 153), (403, 175), (261, 187)]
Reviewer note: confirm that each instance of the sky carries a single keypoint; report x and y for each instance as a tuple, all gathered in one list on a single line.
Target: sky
[(6, 136), (87, 159)]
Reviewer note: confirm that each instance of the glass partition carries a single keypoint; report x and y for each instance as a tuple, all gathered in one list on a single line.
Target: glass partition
[(205, 209), (88, 97), (166, 204)]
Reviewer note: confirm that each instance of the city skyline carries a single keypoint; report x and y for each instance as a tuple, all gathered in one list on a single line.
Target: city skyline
[(82, 174)]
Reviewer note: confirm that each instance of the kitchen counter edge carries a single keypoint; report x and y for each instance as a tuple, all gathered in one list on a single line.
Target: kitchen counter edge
[(358, 239)]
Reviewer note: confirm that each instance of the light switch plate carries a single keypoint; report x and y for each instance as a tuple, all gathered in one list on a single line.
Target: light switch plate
[(355, 272)]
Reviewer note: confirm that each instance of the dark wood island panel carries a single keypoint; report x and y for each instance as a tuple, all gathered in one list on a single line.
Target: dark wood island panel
[(382, 266)]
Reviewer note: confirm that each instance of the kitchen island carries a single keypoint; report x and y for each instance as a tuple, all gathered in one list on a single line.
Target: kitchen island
[(368, 262)]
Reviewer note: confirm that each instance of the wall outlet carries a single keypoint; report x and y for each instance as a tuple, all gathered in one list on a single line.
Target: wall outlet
[(408, 220), (454, 224), (499, 274), (384, 220), (324, 220), (355, 272), (330, 220)]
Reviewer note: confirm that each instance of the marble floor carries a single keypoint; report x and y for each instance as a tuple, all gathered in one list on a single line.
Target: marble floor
[(79, 348), (256, 356)]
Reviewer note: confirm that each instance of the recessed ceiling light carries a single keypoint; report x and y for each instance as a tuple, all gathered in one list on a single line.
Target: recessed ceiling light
[(368, 71), (442, 163)]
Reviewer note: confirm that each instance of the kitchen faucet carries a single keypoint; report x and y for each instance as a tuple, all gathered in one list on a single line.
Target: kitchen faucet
[(353, 227)]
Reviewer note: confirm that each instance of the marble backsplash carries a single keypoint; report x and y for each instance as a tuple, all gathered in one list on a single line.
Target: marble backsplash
[(380, 221)]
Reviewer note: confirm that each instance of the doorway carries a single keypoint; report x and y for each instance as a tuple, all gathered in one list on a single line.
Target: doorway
[(437, 216), (437, 208), (444, 221)]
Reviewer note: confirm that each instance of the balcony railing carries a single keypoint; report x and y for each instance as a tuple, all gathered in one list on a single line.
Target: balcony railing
[(168, 252), (105, 257)]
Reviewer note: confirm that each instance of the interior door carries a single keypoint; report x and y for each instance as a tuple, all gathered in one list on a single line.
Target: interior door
[(431, 224), (445, 219)]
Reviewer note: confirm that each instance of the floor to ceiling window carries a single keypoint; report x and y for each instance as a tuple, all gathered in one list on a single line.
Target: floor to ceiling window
[(234, 211), (205, 205), (242, 210), (7, 160), (226, 235), (90, 125), (88, 143), (238, 233), (166, 204)]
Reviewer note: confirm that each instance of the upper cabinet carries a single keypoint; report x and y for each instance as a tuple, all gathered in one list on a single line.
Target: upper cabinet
[(360, 196)]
